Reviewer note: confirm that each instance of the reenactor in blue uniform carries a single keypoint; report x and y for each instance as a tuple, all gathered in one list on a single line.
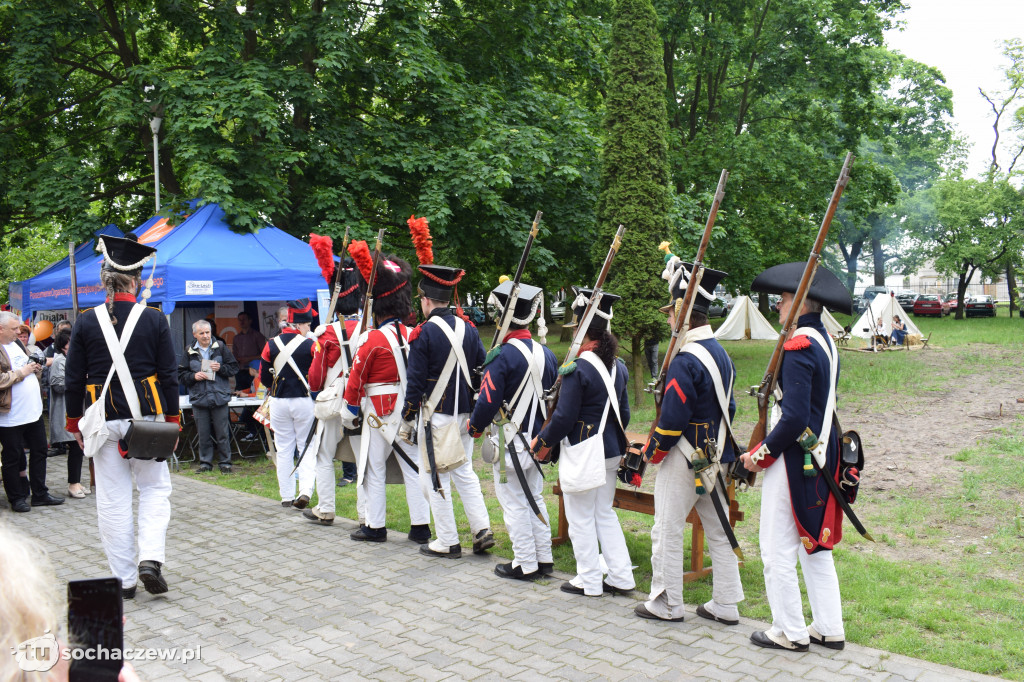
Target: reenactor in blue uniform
[(432, 356), (692, 430), (799, 515), (514, 383), (589, 423)]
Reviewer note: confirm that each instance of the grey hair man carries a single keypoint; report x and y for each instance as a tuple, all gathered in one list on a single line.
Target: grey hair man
[(21, 422), (206, 369)]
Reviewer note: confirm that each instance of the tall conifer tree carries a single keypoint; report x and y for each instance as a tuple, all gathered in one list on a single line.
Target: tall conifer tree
[(635, 175)]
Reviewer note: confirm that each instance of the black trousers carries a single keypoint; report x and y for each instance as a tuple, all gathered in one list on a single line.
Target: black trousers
[(212, 424), (75, 457), (14, 440)]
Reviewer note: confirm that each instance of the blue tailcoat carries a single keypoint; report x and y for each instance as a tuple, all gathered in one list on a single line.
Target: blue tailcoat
[(499, 383), (428, 353)]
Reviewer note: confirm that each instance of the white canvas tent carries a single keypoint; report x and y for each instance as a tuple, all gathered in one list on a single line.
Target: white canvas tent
[(883, 308), (745, 322), (832, 325)]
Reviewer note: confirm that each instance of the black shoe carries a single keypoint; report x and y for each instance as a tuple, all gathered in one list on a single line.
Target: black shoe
[(21, 506), (225, 468), (546, 568), (342, 482), (312, 516), (203, 468), (419, 533), (642, 611), (612, 590), (149, 574), (704, 613), (48, 501), (484, 541), (454, 552), (286, 503), (516, 573), (827, 642), (128, 592), (572, 589), (302, 502), (367, 534), (762, 639)]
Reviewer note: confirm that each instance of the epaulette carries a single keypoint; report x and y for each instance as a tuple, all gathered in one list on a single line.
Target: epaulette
[(491, 354), (415, 333), (153, 307), (798, 343), (567, 368)]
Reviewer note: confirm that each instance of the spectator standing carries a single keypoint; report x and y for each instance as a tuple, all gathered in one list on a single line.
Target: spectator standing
[(56, 447), (205, 369), (149, 354), (21, 421), (247, 346), (58, 434)]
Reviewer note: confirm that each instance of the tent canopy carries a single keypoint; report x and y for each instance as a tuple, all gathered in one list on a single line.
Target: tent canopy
[(200, 259), (746, 322), (832, 325), (883, 308)]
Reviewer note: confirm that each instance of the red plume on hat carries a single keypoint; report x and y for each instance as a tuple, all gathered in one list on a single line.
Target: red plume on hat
[(360, 252), (420, 229), (323, 247)]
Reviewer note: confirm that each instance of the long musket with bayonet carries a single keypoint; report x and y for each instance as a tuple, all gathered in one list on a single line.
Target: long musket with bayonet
[(764, 391), (337, 280), (634, 463), (501, 329), (593, 305)]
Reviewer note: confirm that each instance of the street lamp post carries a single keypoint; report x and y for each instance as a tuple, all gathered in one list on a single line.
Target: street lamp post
[(154, 125)]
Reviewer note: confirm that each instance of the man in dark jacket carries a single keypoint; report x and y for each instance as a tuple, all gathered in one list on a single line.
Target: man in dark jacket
[(204, 369)]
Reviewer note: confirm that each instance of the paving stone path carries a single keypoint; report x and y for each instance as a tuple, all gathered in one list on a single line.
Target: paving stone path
[(266, 595)]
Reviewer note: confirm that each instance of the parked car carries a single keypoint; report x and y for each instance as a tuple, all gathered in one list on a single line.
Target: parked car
[(930, 304), (980, 306), (558, 310), (952, 300), (717, 308), (475, 314), (906, 298)]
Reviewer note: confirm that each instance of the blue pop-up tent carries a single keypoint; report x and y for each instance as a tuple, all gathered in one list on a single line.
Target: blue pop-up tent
[(199, 260)]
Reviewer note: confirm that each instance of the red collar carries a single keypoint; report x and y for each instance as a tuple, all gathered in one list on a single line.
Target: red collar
[(290, 330), (125, 297), (589, 345), (523, 334)]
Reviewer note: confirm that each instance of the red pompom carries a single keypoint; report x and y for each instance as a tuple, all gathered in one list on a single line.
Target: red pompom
[(360, 252), (798, 343), (323, 247), (415, 333), (637, 480), (420, 230)]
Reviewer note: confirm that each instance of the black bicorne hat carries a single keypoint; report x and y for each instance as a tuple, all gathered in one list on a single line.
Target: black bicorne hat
[(826, 288), (526, 305), (124, 254), (439, 281), (679, 279), (350, 288), (300, 311), (602, 316)]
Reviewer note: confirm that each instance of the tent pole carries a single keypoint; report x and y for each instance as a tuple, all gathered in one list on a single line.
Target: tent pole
[(74, 282)]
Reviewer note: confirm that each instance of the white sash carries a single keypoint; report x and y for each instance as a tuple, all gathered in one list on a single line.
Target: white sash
[(284, 356), (704, 356)]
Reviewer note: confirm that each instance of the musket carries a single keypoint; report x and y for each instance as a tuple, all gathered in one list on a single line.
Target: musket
[(593, 305), (766, 388), (337, 280), (428, 445), (635, 465), (368, 303), (501, 329)]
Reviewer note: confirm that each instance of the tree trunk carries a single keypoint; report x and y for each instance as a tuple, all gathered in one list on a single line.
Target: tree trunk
[(1011, 286), (852, 259), (762, 303), (961, 289), (637, 371), (878, 256)]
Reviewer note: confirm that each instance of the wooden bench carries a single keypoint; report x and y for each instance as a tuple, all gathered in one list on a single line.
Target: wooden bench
[(633, 500)]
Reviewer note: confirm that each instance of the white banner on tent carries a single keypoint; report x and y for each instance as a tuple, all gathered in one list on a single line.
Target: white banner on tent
[(199, 287), (323, 304)]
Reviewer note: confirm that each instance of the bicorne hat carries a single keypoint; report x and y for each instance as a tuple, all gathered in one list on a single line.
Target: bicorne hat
[(300, 311), (826, 288), (124, 254)]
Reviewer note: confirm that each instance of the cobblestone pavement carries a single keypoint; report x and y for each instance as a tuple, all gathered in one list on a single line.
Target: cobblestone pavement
[(269, 596)]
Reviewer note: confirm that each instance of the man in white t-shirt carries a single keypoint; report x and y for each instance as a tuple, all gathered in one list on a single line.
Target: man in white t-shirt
[(21, 422)]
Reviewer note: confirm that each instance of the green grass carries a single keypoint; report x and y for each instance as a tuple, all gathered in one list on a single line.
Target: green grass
[(932, 587)]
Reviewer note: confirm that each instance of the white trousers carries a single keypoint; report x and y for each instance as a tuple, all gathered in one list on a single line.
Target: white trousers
[(465, 481), (594, 529), (114, 506), (329, 437), (780, 547), (291, 419), (675, 494), (531, 537), (376, 500)]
